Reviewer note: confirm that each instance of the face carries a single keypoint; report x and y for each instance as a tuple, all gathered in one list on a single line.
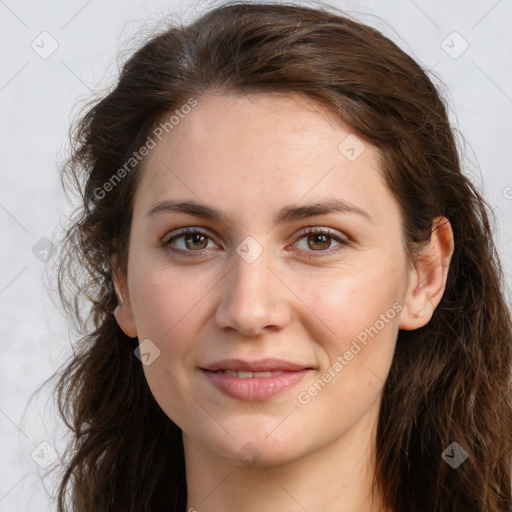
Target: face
[(261, 232)]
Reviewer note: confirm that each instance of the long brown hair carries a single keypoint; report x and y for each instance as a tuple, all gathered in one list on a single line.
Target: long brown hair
[(450, 381)]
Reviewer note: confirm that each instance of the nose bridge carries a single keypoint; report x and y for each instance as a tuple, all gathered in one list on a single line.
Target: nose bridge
[(252, 297), (251, 278)]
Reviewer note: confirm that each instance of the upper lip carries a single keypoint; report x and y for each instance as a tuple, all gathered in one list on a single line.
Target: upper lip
[(260, 365)]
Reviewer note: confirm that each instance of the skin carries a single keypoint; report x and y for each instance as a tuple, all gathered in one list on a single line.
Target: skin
[(250, 156)]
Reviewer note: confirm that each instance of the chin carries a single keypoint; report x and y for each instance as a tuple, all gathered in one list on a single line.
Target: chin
[(255, 447)]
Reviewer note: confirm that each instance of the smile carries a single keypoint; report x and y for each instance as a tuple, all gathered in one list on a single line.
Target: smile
[(246, 385), (242, 374)]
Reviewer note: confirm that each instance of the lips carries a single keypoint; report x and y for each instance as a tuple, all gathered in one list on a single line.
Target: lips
[(254, 380), (260, 365), (243, 374)]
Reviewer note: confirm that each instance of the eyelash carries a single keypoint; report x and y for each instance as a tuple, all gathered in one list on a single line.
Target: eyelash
[(306, 232)]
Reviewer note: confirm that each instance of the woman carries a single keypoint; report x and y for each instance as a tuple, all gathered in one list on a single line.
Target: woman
[(295, 299)]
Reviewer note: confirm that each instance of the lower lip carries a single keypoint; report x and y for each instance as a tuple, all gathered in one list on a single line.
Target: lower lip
[(254, 388)]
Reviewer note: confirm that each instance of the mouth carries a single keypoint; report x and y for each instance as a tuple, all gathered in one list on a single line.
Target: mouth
[(243, 374), (256, 380), (257, 366)]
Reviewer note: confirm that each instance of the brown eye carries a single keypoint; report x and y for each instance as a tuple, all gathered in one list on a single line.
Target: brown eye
[(196, 241), (188, 241), (316, 242), (319, 241)]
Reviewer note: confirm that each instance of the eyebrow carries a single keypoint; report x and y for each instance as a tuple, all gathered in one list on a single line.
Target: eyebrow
[(286, 214)]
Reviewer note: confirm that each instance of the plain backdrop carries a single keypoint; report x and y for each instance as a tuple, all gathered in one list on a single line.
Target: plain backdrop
[(55, 55)]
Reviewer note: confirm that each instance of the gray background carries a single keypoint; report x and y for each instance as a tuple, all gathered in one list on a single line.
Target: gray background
[(39, 96)]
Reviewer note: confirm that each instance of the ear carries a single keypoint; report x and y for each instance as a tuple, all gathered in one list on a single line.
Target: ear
[(427, 280), (123, 312)]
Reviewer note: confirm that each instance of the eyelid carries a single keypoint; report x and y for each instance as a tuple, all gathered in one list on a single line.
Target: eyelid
[(192, 230), (343, 241), (181, 232), (310, 230)]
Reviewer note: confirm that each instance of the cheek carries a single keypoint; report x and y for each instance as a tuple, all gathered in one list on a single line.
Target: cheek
[(168, 306), (356, 326), (357, 335), (355, 300), (165, 301)]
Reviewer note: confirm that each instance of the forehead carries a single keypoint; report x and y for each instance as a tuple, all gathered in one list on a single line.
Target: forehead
[(267, 149)]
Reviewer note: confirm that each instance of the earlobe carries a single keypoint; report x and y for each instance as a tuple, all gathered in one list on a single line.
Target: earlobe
[(428, 278), (417, 311), (123, 312)]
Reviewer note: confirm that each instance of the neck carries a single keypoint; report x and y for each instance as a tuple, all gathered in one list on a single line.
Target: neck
[(333, 478)]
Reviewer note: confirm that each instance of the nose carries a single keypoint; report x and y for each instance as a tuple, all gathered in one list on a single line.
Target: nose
[(254, 299)]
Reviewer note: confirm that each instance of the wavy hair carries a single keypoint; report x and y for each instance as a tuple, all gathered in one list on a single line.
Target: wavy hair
[(450, 381)]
